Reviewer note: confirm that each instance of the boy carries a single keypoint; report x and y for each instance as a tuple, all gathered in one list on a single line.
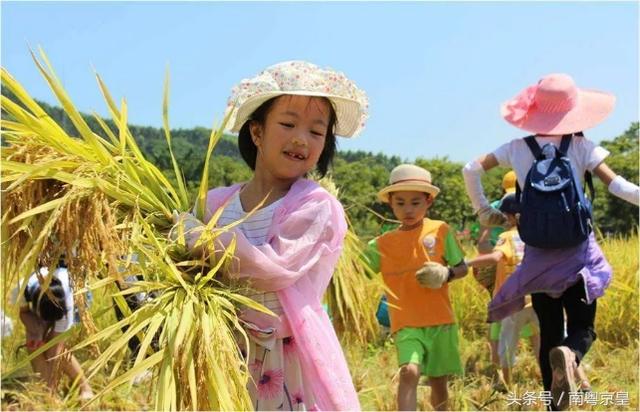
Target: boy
[(506, 255), (417, 261)]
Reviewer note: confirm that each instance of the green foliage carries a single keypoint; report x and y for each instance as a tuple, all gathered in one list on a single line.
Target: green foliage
[(359, 175), (613, 215)]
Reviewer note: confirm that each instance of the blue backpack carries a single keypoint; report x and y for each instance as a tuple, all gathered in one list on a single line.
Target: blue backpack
[(554, 211)]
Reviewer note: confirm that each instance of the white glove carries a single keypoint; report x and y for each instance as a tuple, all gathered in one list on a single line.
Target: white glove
[(491, 217), (432, 275)]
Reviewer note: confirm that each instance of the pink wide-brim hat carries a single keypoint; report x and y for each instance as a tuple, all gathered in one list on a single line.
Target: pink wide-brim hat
[(557, 106), (300, 78)]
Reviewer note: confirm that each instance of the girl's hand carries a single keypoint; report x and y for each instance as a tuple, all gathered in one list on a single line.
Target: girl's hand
[(432, 275), (185, 224), (491, 217)]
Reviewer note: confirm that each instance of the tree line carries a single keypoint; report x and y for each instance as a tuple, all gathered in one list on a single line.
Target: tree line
[(360, 174)]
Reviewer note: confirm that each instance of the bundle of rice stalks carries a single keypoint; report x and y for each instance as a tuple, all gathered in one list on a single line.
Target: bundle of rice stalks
[(94, 198), (354, 291)]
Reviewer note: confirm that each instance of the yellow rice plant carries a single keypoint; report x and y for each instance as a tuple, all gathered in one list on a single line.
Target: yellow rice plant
[(95, 198), (352, 297), (617, 314)]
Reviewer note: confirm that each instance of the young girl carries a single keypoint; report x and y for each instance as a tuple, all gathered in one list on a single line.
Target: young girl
[(506, 256), (570, 278), (287, 118), (45, 314)]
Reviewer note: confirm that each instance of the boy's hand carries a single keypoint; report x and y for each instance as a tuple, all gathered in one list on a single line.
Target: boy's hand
[(491, 217), (432, 275)]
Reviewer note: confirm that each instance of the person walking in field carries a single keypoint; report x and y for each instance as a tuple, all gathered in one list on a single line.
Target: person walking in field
[(486, 276), (563, 267), (506, 256), (47, 310), (287, 118), (417, 262)]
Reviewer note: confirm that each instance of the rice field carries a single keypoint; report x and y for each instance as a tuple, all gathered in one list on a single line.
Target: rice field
[(612, 363)]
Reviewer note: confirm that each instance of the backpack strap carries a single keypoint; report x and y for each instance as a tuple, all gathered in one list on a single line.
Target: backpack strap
[(564, 144), (588, 180), (533, 146)]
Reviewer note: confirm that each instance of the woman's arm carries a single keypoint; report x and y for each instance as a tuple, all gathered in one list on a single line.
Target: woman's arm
[(472, 173), (618, 185)]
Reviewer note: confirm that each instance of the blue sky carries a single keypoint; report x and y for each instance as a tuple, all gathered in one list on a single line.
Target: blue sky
[(435, 73)]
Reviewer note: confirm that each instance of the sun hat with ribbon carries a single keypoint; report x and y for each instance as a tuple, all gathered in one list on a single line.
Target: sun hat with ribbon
[(509, 182), (557, 106), (303, 79), (409, 178)]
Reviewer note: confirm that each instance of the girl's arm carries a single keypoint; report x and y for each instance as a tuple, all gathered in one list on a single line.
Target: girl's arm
[(617, 185), (34, 331), (489, 259), (54, 360)]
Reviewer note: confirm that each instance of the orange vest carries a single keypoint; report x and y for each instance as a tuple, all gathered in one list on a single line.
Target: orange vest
[(402, 253)]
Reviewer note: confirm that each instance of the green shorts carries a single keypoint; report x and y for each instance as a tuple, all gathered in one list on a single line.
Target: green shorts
[(433, 348), (494, 331)]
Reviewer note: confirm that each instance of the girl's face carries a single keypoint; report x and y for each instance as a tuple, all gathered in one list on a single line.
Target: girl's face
[(410, 207), (292, 137)]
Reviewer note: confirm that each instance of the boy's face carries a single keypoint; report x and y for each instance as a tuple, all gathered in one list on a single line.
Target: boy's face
[(410, 207)]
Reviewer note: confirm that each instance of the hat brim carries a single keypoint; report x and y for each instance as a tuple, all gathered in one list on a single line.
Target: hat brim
[(348, 111), (383, 195), (591, 109)]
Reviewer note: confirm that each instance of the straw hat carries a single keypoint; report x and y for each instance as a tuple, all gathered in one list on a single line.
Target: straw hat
[(303, 79), (410, 178), (557, 106), (509, 182)]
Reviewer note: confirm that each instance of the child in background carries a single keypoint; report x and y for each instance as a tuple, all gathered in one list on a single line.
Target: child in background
[(46, 313), (507, 254), (287, 118), (417, 261), (486, 275), (571, 278)]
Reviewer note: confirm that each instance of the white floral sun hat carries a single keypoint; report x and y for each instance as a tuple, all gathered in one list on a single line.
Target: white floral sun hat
[(304, 79)]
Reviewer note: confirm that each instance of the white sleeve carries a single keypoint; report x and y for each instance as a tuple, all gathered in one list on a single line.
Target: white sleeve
[(472, 173), (503, 154), (625, 190), (592, 153)]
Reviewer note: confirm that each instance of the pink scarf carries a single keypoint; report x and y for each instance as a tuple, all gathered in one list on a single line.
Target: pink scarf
[(303, 246)]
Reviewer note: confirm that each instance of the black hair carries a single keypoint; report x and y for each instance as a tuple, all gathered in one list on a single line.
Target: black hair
[(41, 303), (509, 204), (249, 151)]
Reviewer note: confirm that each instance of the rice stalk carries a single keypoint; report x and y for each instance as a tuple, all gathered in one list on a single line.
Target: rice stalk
[(95, 199), (354, 290)]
